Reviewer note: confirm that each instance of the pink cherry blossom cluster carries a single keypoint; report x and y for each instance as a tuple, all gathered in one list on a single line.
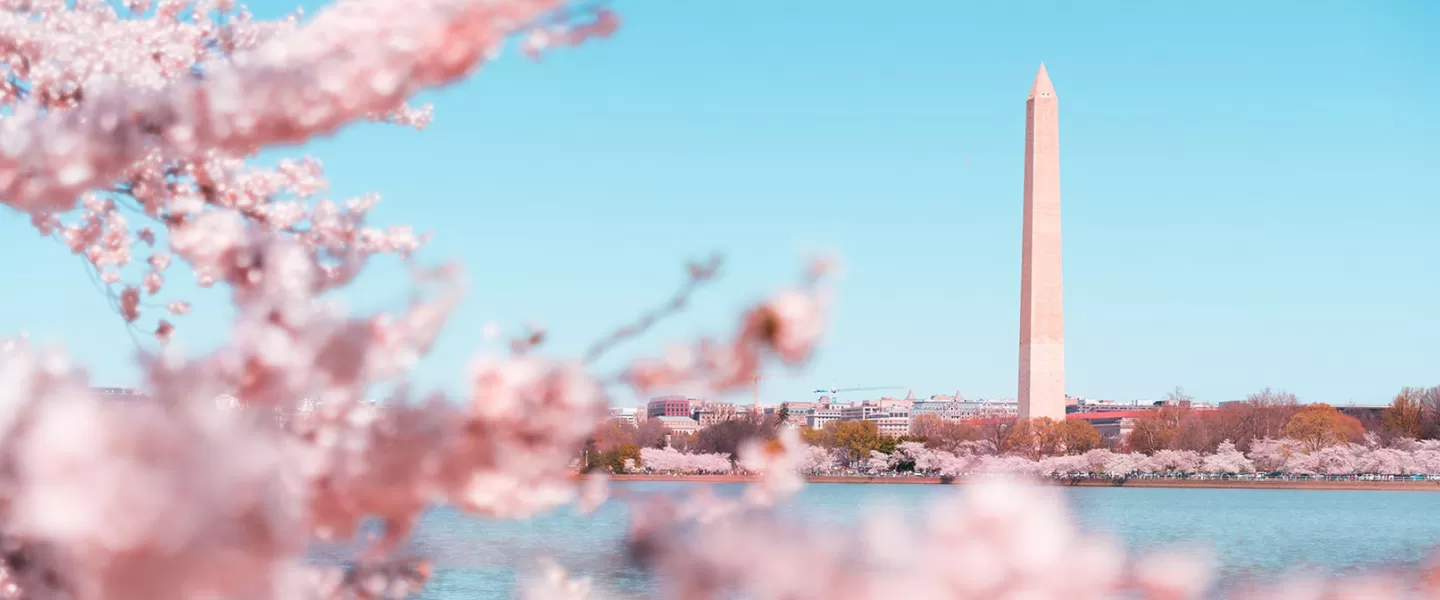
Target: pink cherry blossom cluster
[(554, 582), (1401, 457), (147, 114), (670, 460), (786, 328), (818, 460), (778, 468), (198, 488)]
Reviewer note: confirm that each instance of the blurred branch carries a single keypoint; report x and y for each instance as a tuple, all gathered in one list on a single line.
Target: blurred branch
[(698, 275)]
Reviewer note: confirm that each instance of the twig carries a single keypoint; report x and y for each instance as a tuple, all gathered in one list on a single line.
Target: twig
[(699, 274)]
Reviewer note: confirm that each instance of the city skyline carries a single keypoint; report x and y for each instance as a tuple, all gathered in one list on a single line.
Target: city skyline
[(1249, 216)]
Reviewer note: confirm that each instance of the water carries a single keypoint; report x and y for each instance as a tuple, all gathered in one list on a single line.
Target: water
[(1251, 533)]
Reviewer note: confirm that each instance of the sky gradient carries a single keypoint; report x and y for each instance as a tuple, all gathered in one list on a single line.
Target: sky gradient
[(1249, 193)]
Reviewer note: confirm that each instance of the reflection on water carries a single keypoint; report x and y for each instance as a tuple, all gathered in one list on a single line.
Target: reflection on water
[(1250, 533)]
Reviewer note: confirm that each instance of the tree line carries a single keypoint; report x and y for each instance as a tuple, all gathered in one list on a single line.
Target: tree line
[(1413, 414)]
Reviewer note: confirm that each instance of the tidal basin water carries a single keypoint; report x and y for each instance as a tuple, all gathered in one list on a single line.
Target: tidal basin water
[(1250, 532)]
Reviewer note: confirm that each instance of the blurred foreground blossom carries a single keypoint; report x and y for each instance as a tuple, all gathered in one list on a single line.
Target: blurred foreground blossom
[(133, 127), (997, 539), (1000, 537), (555, 583)]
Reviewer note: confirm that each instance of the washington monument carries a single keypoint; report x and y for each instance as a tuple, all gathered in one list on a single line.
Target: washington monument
[(1042, 314)]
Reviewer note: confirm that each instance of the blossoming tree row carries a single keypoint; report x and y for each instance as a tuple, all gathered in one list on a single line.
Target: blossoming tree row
[(1407, 457)]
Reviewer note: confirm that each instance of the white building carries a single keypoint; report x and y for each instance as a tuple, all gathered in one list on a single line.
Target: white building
[(821, 417), (965, 410), (624, 415), (892, 426), (685, 425)]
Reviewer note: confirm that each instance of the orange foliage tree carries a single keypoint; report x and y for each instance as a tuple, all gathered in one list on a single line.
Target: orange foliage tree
[(1320, 425), (944, 434), (1035, 438), (1078, 437), (1157, 430), (1030, 438), (1405, 415)]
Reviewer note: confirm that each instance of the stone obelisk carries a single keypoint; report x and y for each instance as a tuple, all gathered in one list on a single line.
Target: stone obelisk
[(1042, 320)]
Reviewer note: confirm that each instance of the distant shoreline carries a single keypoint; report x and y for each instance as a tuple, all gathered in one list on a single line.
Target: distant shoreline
[(1252, 484)]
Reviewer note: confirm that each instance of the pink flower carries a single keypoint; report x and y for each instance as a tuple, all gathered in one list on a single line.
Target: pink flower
[(790, 323), (130, 304)]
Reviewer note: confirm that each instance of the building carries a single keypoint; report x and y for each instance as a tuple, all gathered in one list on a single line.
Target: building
[(965, 410), (801, 407), (798, 413), (892, 425), (1042, 325), (819, 418), (1112, 425), (682, 425), (891, 416), (941, 409), (1117, 429), (118, 392), (1089, 405), (671, 406), (624, 415), (1365, 414), (712, 413)]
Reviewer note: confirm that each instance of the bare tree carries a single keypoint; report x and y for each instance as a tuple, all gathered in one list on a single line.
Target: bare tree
[(1178, 397), (1430, 413)]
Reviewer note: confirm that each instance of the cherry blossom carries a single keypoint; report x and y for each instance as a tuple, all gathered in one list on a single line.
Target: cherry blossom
[(149, 117), (670, 460), (878, 462), (129, 134), (818, 460), (555, 583), (1174, 461), (1405, 457), (1227, 460), (779, 469)]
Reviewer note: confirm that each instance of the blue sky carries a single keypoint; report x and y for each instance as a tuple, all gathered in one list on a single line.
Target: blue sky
[(1249, 193)]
